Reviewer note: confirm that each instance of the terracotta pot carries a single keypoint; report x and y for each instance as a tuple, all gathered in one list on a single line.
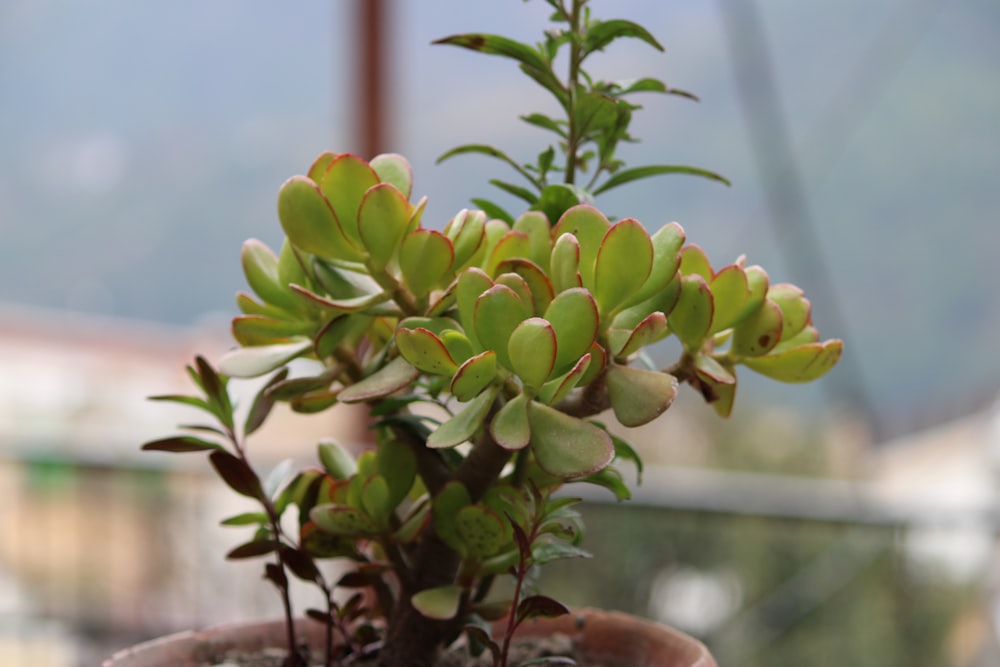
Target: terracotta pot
[(612, 639), (616, 639)]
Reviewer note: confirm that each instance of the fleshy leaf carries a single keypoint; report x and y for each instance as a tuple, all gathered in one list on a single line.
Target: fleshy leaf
[(376, 499), (397, 463), (426, 351), (260, 266), (565, 446), (464, 425), (759, 332), (796, 311), (395, 375), (589, 226), (425, 257), (667, 242), (256, 330), (467, 230), (532, 350), (343, 520), (694, 261), (638, 396), (512, 244), (309, 221), (623, 264), (650, 330), (691, 318), (798, 364), (345, 182), (481, 530), (498, 311), (249, 362), (440, 604), (383, 216), (565, 263), (510, 426), (575, 319), (557, 389), (537, 281), (536, 227), (472, 284), (474, 375), (336, 460), (730, 293), (395, 169)]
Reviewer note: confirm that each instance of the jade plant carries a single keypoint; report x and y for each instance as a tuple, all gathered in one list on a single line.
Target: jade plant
[(491, 353)]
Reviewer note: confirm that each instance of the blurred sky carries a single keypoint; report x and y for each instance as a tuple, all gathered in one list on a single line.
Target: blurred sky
[(140, 143)]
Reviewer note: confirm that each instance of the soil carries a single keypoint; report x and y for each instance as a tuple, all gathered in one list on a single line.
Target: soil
[(530, 648)]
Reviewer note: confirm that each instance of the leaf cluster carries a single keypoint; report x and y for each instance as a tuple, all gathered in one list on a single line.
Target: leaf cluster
[(593, 119)]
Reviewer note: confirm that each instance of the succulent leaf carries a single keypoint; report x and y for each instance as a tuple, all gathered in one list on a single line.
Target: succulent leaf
[(464, 425), (497, 313), (474, 375), (576, 320), (565, 263), (804, 363), (565, 446), (796, 311), (394, 376), (622, 266), (310, 223), (250, 362), (344, 184), (510, 428), (589, 226), (426, 351), (759, 332), (638, 396), (691, 318), (382, 219), (730, 292), (481, 530), (395, 169), (532, 351), (440, 604), (425, 258), (343, 520)]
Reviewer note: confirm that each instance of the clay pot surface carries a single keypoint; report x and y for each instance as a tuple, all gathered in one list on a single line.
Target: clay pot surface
[(606, 638)]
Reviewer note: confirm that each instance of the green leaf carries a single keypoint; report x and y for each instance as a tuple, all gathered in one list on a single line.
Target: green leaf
[(546, 123), (258, 330), (426, 256), (510, 426), (246, 519), (601, 33), (249, 362), (638, 396), (536, 226), (796, 311), (467, 231), (485, 149), (474, 375), (759, 332), (440, 604), (647, 332), (575, 320), (539, 606), (667, 242), (622, 265), (730, 292), (343, 521), (426, 351), (512, 244), (493, 210), (344, 184), (635, 173), (397, 463), (445, 507), (395, 169), (691, 318), (464, 425), (260, 266), (589, 226), (498, 311), (181, 444), (377, 500), (481, 531), (532, 62), (532, 351), (310, 223), (556, 199), (694, 261), (394, 376), (538, 284), (523, 194), (336, 460), (565, 263), (383, 217), (798, 364), (557, 389), (565, 446)]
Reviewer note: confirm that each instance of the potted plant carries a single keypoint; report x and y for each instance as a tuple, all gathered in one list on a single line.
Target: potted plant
[(486, 353)]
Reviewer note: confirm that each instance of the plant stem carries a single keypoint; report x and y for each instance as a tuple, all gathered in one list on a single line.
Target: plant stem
[(572, 83)]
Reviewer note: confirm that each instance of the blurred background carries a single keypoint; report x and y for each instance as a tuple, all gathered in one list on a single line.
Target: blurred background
[(852, 521)]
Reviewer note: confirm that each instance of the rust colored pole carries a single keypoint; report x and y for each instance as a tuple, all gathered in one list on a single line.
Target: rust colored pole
[(371, 69)]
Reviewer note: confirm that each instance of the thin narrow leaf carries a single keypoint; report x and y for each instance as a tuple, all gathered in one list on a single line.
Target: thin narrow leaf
[(636, 173)]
